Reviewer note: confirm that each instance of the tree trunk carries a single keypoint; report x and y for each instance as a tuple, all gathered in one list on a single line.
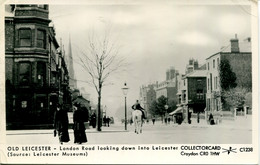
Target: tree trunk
[(99, 119)]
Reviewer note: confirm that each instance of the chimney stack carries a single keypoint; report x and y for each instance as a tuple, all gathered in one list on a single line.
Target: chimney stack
[(234, 45), (167, 74), (196, 65)]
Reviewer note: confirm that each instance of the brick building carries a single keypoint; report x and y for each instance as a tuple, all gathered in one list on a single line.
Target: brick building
[(239, 56), (36, 73), (196, 90), (192, 92), (168, 88)]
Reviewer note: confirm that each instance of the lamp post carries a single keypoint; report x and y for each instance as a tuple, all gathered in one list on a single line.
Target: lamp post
[(105, 111), (166, 107), (125, 90)]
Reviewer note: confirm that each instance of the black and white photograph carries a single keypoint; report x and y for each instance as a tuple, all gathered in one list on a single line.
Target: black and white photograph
[(129, 82)]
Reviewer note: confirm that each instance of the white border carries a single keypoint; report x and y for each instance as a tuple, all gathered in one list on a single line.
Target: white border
[(159, 157)]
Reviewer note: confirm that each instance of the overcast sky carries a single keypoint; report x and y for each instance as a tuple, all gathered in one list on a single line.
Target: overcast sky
[(153, 38)]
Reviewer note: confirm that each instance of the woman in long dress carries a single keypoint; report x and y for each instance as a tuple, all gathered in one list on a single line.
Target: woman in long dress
[(78, 126), (61, 123)]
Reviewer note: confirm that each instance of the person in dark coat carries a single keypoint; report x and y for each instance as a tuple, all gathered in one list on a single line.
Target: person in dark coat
[(153, 119), (198, 117), (211, 119), (165, 120), (61, 123), (105, 120), (78, 125), (108, 121), (138, 106), (93, 120), (169, 120)]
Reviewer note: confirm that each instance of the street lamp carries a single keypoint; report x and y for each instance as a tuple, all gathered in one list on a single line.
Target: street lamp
[(105, 111), (166, 107), (125, 90)]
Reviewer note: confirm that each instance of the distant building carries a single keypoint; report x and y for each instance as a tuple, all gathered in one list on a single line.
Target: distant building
[(194, 65), (181, 90), (151, 95), (147, 96), (171, 73), (192, 92), (239, 56), (143, 96), (36, 73), (182, 81), (168, 88), (191, 66), (196, 90)]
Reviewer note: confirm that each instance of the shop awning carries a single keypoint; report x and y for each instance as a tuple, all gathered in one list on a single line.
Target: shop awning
[(178, 110)]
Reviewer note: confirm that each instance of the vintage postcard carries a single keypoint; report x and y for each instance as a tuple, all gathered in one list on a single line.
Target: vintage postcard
[(140, 82)]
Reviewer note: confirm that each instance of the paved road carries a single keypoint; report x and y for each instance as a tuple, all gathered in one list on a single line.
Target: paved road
[(152, 134)]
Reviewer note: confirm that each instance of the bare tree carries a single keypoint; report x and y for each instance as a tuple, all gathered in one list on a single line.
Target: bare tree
[(100, 61)]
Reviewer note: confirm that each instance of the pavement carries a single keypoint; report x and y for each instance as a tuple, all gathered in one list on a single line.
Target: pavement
[(159, 133), (240, 123), (50, 131)]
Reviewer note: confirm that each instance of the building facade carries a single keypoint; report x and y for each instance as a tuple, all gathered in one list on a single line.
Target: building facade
[(239, 56), (192, 90), (147, 96), (168, 88), (182, 80), (36, 74), (196, 91)]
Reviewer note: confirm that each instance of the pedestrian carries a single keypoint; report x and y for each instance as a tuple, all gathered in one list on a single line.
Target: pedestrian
[(85, 113), (189, 117), (78, 125), (93, 120), (108, 121), (198, 117), (169, 120), (179, 118), (105, 120), (165, 120), (211, 119), (137, 106), (153, 120), (61, 124)]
